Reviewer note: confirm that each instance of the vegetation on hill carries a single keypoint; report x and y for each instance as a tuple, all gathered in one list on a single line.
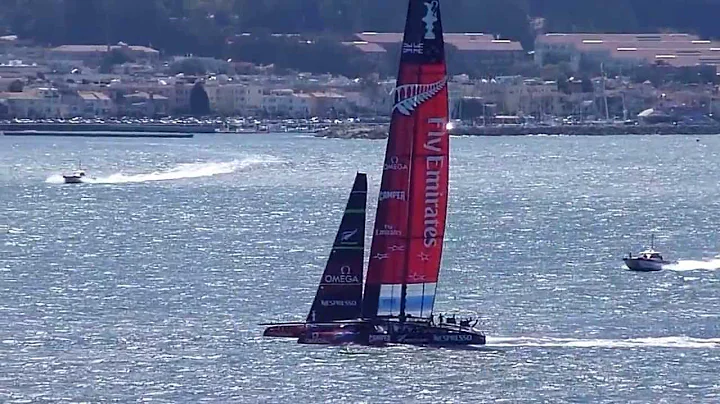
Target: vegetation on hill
[(211, 27)]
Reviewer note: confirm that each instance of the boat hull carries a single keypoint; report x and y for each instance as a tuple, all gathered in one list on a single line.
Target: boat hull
[(384, 333), (644, 265), (71, 179), (290, 330)]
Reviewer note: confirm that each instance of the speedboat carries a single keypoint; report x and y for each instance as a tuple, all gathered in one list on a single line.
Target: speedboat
[(646, 261), (75, 177)]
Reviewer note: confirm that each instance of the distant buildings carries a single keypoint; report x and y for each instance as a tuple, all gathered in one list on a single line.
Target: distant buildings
[(626, 50), (93, 54), (69, 81), (35, 103), (485, 51)]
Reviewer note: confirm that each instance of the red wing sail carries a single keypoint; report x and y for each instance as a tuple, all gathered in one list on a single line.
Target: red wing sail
[(410, 221), (339, 294)]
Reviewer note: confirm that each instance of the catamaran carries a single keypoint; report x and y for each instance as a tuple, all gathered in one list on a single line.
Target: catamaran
[(339, 295), (407, 240)]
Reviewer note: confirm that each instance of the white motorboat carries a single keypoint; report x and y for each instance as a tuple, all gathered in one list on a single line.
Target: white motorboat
[(648, 260), (75, 177)]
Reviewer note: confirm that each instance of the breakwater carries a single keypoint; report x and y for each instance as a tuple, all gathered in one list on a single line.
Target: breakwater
[(587, 130), (381, 131), (106, 127), (355, 132), (98, 134)]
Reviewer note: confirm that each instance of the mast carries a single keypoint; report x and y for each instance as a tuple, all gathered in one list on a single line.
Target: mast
[(403, 290), (410, 221), (607, 111)]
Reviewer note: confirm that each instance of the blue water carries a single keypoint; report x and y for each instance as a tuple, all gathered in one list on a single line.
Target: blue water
[(148, 283)]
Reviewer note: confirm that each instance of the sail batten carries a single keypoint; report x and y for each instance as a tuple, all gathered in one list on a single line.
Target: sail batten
[(412, 206)]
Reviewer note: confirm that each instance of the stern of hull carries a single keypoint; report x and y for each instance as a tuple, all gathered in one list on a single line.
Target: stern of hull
[(285, 331)]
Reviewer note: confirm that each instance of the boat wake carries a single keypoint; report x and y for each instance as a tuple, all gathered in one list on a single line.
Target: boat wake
[(181, 171), (692, 265), (681, 342)]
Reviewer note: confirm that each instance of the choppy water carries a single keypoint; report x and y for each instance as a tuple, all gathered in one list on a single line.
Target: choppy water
[(147, 284)]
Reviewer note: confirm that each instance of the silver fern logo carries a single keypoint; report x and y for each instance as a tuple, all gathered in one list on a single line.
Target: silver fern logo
[(410, 96)]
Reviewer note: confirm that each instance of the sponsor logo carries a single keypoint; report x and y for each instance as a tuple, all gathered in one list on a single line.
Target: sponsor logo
[(397, 195), (430, 18), (347, 235), (410, 96), (315, 338), (452, 338), (381, 257), (413, 48), (342, 303), (372, 338), (433, 170), (388, 230), (395, 165), (345, 276), (341, 279)]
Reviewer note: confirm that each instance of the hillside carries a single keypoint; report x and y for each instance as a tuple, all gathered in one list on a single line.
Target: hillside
[(207, 27)]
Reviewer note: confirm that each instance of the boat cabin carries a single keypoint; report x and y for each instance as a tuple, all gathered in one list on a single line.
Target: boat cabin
[(651, 255)]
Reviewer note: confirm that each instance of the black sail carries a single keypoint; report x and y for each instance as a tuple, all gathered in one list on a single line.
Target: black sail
[(339, 295)]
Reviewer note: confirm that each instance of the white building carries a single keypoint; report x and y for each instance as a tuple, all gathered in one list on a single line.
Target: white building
[(36, 103), (517, 96), (95, 104), (285, 102)]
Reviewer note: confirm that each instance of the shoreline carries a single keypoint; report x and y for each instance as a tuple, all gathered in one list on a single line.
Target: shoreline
[(381, 131)]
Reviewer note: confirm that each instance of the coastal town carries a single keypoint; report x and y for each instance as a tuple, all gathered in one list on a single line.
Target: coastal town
[(565, 80)]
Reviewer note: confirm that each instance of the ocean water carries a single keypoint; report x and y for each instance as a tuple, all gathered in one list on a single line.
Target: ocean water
[(147, 283)]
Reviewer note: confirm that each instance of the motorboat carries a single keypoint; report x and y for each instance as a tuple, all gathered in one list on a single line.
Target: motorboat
[(75, 177), (648, 260)]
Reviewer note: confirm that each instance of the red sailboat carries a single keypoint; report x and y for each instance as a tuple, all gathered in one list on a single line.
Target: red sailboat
[(409, 227)]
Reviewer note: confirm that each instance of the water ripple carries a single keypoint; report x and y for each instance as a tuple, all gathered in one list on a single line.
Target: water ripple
[(152, 290)]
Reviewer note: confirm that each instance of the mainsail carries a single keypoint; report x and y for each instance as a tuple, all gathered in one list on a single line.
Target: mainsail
[(410, 222), (339, 296)]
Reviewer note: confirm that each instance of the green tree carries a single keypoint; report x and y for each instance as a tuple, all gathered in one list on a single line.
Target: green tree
[(189, 66), (586, 85), (113, 58), (17, 86), (199, 101)]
